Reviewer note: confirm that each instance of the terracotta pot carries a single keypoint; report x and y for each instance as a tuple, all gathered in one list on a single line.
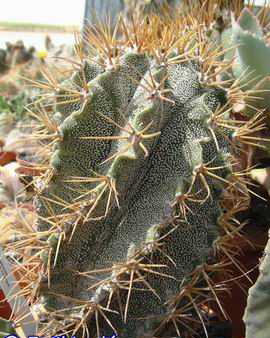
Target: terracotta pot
[(7, 157), (5, 310)]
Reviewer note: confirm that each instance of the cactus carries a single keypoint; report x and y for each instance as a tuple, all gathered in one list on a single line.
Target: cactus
[(252, 60), (247, 47), (138, 149), (251, 53), (257, 311), (139, 196)]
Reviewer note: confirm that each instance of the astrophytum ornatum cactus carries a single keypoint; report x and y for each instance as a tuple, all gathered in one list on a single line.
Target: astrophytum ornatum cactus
[(130, 205)]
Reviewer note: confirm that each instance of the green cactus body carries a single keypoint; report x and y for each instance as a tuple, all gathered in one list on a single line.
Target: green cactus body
[(257, 316), (140, 149), (251, 66)]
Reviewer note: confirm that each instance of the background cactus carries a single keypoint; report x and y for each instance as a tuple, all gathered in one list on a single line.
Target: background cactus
[(252, 69), (257, 312), (137, 206), (245, 43), (251, 64)]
